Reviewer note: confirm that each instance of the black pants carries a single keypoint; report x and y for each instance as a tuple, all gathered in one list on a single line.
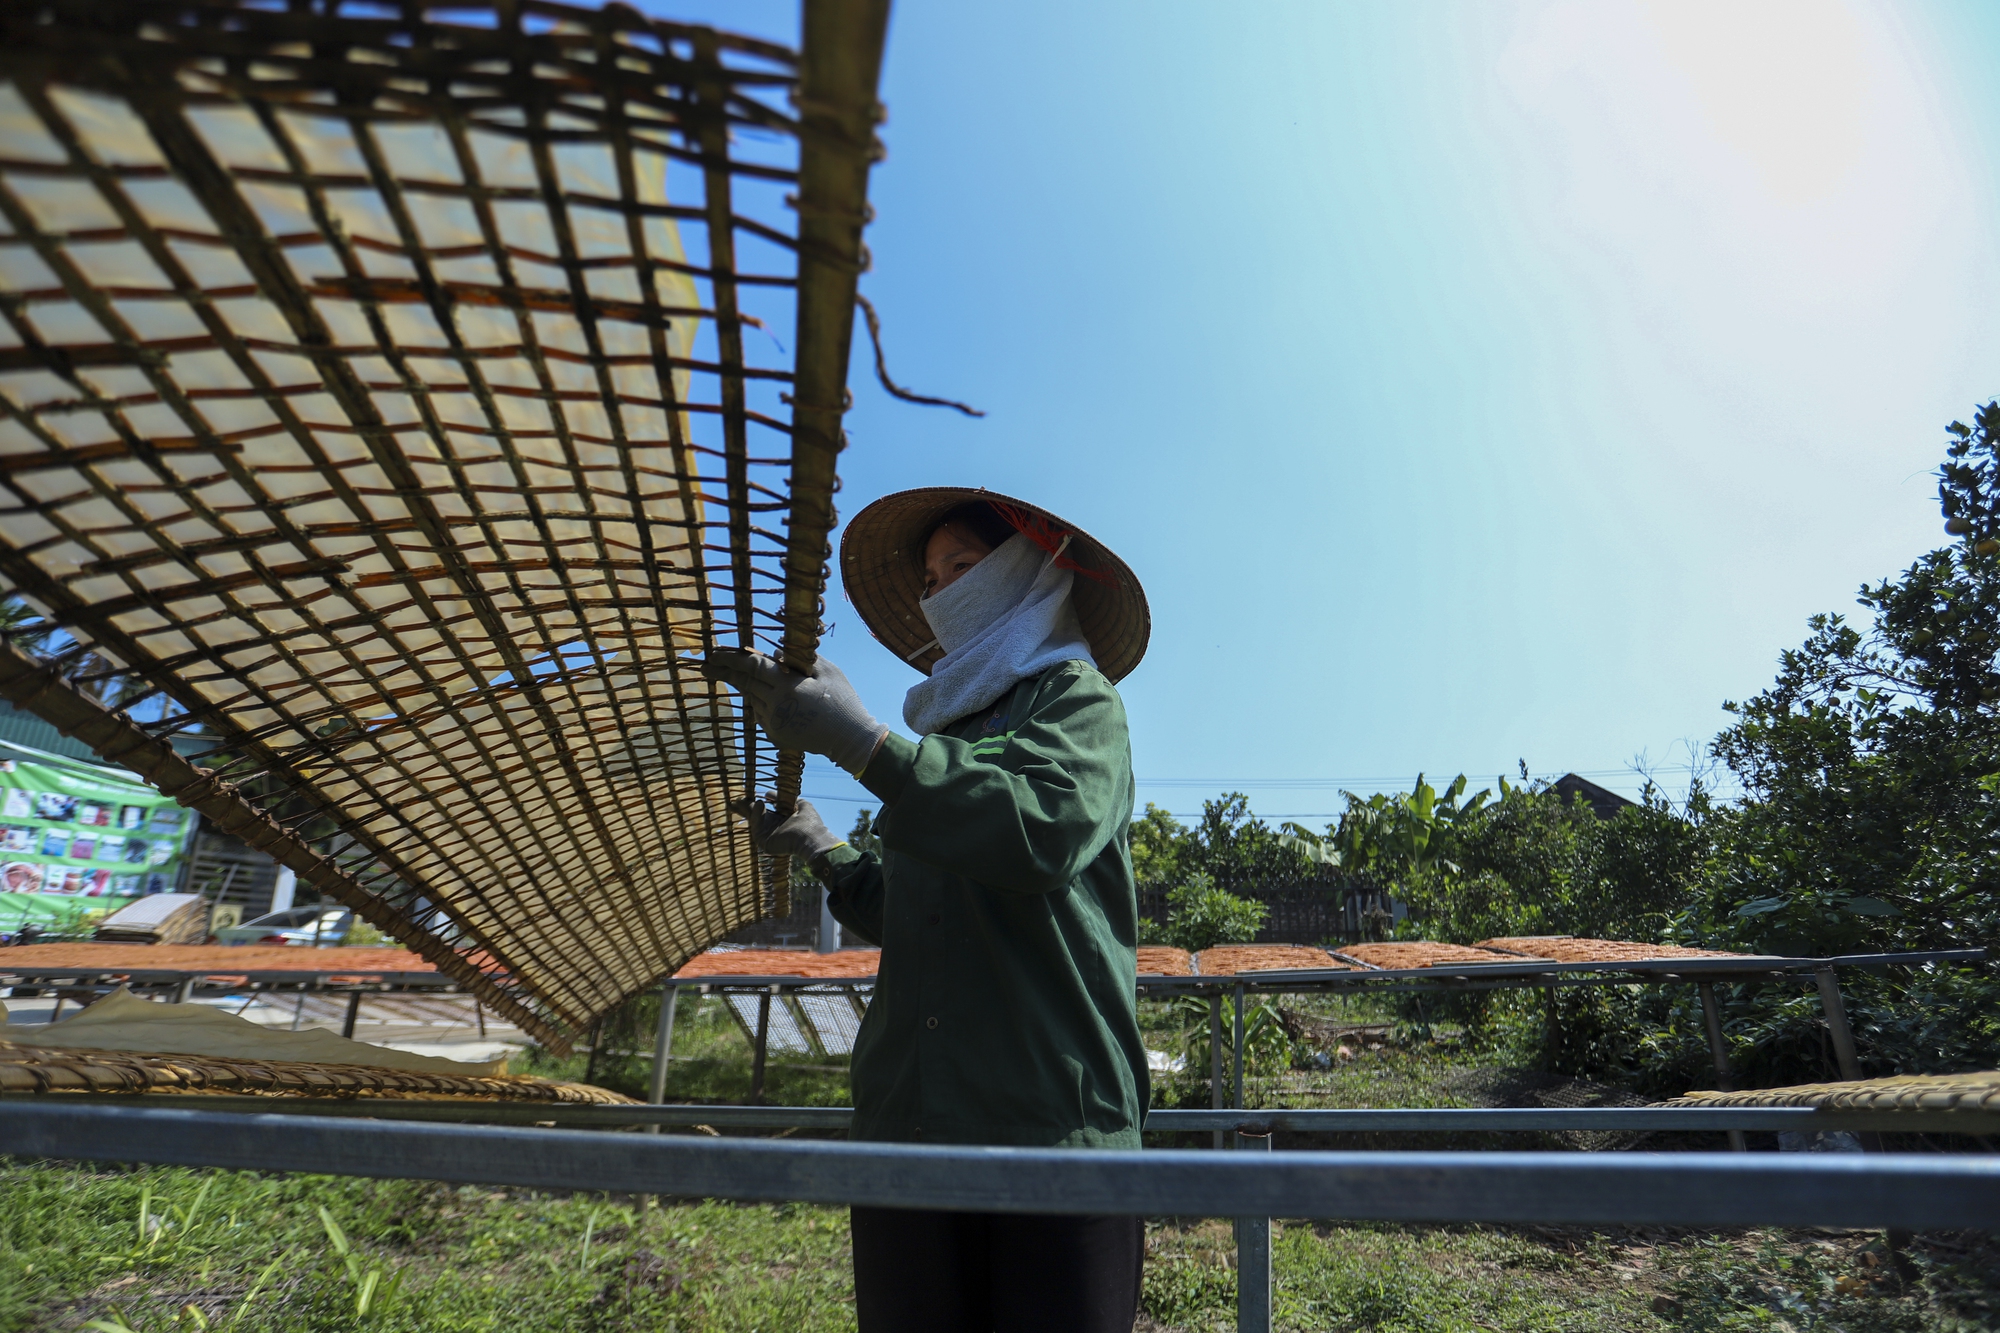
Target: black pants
[(920, 1272)]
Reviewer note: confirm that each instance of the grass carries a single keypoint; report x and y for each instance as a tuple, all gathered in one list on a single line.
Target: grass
[(228, 1250), (166, 1250), (711, 1063), (231, 1251), (1548, 1280)]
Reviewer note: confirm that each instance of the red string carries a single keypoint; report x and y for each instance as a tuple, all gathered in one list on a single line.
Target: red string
[(1045, 535)]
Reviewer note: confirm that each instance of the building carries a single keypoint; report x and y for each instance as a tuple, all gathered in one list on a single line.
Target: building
[(1603, 802)]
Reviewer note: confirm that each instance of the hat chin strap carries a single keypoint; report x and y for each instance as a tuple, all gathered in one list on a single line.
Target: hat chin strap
[(913, 656)]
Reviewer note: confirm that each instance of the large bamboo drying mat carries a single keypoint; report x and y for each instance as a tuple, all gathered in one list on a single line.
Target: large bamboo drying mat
[(375, 397), (1901, 1092), (1400, 954), (1578, 949), (209, 960), (40, 1069), (1160, 960), (841, 965), (1225, 960)]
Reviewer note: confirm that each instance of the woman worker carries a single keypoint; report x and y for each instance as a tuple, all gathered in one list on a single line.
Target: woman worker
[(1003, 897)]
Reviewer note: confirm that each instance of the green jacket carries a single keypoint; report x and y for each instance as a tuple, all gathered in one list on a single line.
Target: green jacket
[(1003, 900)]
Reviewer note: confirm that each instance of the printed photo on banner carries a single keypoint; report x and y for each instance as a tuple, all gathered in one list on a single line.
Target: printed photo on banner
[(64, 813)]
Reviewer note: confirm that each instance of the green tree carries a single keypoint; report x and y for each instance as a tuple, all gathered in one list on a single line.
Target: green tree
[(1201, 915), (1230, 845), (1156, 840), (862, 838), (1871, 766), (1868, 823), (1393, 837)]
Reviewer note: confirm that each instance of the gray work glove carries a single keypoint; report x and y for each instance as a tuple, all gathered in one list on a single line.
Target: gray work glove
[(802, 833), (820, 713)]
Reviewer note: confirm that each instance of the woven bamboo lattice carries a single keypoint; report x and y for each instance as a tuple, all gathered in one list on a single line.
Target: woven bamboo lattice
[(1399, 954), (1902, 1092), (843, 965), (211, 960), (1225, 960), (397, 400), (1577, 949), (1160, 960), (39, 1069)]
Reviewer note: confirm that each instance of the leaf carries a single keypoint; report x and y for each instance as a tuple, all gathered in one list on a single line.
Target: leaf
[(256, 1287), (1312, 849), (1761, 907), (333, 1232), (1862, 905), (193, 1210)]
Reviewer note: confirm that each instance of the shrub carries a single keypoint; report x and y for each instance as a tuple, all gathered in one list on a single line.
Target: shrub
[(1200, 915)]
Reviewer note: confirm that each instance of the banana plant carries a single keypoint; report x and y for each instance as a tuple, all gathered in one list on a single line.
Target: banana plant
[(1392, 836)]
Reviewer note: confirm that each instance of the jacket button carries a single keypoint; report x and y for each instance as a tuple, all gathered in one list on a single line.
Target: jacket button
[(935, 918), (930, 1022)]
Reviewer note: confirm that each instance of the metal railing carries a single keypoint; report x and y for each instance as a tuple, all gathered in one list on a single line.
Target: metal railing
[(1487, 1120), (1898, 1191)]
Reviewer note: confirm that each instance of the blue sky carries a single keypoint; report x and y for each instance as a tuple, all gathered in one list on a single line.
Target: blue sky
[(1467, 384)]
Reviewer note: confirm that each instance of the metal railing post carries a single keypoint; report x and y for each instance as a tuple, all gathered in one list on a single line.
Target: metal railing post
[(663, 1044), (1718, 1050), (1215, 1056), (353, 1013), (1897, 1241), (1836, 1022), (1237, 1091), (763, 1043), (1253, 1253)]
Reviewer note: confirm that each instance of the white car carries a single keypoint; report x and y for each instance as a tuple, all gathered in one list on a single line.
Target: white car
[(306, 926)]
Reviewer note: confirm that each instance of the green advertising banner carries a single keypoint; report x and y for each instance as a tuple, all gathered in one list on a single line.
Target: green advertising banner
[(74, 830)]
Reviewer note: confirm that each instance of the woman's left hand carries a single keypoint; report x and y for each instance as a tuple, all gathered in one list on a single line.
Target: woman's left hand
[(802, 833)]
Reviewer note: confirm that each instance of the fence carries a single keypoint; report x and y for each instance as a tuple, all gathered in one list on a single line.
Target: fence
[(1702, 1189), (1326, 906)]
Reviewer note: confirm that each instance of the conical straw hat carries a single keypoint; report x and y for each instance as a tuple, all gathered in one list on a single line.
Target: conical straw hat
[(881, 567)]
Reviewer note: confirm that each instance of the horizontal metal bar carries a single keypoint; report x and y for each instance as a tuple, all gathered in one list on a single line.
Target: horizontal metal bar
[(474, 1111), (1605, 1119), (1703, 1189), (1490, 1120), (754, 982), (150, 976), (1276, 982), (1656, 969)]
